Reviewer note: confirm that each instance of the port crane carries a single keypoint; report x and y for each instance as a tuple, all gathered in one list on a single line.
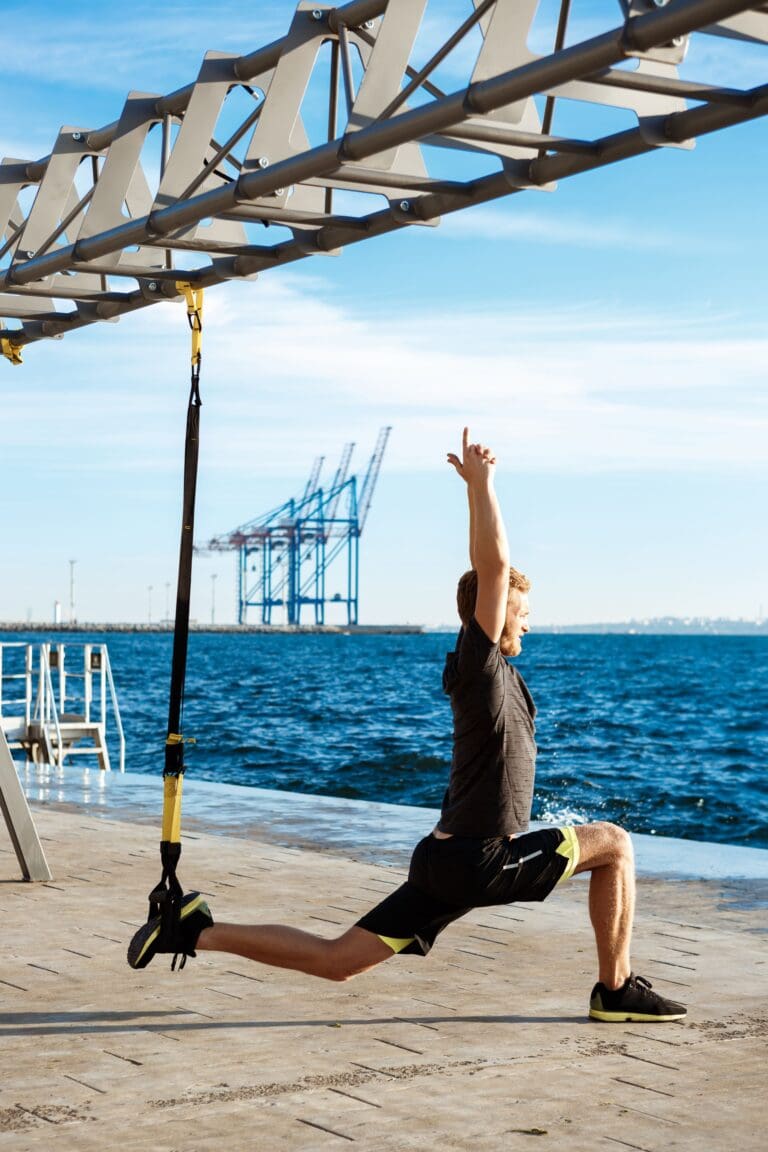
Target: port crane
[(285, 555)]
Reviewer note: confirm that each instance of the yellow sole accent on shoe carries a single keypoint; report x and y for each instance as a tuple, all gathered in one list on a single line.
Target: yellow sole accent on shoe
[(632, 1017), (198, 902), (570, 849), (149, 941)]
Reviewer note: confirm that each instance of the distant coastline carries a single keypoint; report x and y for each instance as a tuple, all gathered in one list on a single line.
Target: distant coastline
[(665, 626), (656, 626)]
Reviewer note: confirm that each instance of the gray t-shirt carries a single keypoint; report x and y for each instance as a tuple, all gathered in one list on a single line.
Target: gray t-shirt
[(490, 791)]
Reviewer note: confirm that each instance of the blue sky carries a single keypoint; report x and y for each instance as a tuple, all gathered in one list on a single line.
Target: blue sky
[(608, 340)]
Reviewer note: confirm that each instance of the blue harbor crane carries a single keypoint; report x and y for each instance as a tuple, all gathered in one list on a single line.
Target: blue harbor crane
[(284, 556)]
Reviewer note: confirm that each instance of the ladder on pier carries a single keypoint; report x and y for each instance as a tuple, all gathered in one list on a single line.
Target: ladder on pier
[(54, 706), (38, 690)]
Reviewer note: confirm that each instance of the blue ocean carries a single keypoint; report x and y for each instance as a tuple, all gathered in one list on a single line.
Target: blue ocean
[(666, 735)]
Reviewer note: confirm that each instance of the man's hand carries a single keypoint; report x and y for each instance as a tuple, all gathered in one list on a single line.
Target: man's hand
[(477, 462)]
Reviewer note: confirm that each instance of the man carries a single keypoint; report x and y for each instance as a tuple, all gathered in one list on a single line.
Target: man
[(480, 853)]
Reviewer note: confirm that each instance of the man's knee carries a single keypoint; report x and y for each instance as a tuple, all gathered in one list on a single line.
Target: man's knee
[(603, 843), (617, 841), (340, 972), (340, 968), (354, 952)]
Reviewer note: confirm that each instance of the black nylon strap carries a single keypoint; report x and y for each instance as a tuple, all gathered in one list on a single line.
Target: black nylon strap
[(165, 899), (174, 750)]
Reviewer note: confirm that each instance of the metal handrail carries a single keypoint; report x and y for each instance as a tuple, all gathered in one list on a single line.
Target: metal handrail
[(51, 705), (115, 708), (46, 708)]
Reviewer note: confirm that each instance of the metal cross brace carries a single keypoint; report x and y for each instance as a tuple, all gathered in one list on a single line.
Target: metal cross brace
[(336, 134)]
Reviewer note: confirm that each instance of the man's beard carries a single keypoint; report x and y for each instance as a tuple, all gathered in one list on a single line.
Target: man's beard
[(510, 646)]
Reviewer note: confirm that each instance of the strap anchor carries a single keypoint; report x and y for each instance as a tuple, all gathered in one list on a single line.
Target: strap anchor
[(194, 298), (11, 350)]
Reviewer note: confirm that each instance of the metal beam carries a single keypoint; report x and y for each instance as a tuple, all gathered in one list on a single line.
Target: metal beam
[(379, 150)]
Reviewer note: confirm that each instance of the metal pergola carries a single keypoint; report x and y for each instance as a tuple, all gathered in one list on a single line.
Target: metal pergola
[(269, 157)]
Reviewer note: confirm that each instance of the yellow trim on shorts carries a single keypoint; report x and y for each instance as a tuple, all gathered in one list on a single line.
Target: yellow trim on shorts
[(570, 849), (397, 943)]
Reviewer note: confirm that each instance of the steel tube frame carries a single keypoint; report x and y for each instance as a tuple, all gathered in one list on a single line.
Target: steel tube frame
[(609, 150), (591, 60), (688, 89), (641, 32), (424, 73)]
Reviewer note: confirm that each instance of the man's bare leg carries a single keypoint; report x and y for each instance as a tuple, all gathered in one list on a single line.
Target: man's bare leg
[(281, 947), (605, 850)]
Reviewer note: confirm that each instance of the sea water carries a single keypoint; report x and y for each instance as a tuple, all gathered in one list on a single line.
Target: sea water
[(667, 735)]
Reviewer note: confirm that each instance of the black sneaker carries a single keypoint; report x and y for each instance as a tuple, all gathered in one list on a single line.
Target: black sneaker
[(634, 1002), (195, 915)]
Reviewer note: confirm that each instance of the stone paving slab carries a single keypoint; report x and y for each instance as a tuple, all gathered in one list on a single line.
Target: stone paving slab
[(484, 1045)]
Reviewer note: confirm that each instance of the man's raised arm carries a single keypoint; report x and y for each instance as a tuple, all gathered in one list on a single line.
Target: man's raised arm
[(488, 546)]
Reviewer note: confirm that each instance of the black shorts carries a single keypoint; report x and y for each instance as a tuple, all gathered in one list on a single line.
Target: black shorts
[(448, 878)]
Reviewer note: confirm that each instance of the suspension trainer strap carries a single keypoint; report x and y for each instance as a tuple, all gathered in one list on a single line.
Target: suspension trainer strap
[(165, 899)]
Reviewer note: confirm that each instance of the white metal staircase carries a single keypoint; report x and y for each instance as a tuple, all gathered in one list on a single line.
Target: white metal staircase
[(55, 707)]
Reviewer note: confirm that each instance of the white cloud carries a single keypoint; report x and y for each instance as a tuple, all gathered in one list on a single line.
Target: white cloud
[(538, 227), (289, 373), (592, 394), (725, 61), (129, 47)]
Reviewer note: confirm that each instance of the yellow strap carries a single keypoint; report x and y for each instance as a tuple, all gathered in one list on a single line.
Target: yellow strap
[(10, 350), (172, 786), (194, 298), (176, 738)]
